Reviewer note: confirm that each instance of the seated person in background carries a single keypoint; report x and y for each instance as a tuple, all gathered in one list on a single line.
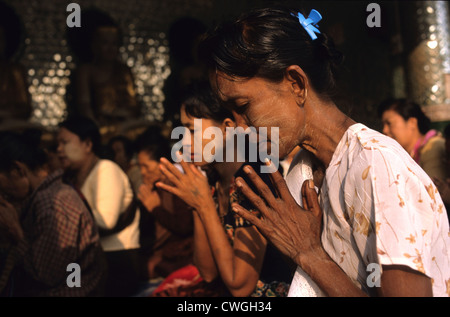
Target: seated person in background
[(55, 229), (167, 224), (405, 122), (122, 152), (227, 248), (109, 194)]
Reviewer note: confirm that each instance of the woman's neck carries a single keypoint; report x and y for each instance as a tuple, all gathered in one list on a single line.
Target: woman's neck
[(324, 131), (226, 171)]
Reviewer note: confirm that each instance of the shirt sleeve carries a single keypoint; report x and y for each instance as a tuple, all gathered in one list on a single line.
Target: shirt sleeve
[(109, 192)]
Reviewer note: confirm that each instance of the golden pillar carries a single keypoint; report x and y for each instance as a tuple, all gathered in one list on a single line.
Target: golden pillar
[(425, 30)]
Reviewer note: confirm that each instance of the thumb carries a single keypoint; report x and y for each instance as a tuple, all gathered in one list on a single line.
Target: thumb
[(310, 198)]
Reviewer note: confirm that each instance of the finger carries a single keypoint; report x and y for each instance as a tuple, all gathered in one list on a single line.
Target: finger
[(279, 183), (184, 164), (195, 170), (170, 167), (244, 213), (310, 198), (170, 176), (256, 200), (262, 187), (168, 188)]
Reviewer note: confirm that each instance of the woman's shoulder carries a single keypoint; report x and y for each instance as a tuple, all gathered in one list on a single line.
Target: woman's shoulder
[(108, 168)]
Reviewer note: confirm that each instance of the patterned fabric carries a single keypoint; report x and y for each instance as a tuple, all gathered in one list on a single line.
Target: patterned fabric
[(59, 231), (187, 282), (381, 207)]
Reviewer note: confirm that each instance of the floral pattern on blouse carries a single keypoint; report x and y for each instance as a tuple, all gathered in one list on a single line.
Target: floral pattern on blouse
[(381, 207)]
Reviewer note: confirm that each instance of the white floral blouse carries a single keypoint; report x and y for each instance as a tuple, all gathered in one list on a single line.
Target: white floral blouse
[(381, 208)]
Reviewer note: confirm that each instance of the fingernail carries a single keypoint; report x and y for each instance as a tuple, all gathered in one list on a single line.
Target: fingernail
[(311, 184), (267, 160), (247, 169), (238, 184)]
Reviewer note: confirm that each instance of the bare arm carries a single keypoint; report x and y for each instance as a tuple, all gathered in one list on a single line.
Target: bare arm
[(203, 257), (238, 265)]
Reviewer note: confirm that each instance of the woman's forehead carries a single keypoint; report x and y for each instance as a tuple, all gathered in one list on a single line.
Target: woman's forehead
[(226, 86)]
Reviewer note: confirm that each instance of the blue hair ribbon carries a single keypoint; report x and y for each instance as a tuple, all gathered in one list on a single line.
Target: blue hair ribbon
[(310, 24)]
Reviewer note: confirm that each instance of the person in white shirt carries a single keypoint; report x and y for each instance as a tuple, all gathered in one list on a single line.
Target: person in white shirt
[(109, 194), (377, 226)]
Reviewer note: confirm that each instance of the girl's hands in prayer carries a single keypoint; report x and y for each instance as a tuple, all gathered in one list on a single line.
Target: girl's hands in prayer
[(192, 186), (295, 231)]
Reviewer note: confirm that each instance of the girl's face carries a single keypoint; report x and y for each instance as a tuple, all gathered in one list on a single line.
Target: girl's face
[(198, 143), (149, 168), (398, 128), (260, 103), (72, 152)]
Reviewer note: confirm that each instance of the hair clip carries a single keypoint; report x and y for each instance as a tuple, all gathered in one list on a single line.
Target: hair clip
[(310, 24)]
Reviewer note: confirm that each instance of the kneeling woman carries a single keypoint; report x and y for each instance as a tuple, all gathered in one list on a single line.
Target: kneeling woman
[(226, 246), (108, 192)]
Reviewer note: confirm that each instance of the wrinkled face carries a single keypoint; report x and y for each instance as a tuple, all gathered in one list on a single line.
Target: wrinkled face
[(260, 103), (397, 128), (149, 168), (198, 142), (14, 186), (72, 152)]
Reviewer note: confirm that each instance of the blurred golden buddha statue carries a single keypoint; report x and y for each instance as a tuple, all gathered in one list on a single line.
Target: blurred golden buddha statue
[(103, 86)]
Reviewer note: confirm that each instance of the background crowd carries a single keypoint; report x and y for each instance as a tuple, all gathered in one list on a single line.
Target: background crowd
[(117, 204)]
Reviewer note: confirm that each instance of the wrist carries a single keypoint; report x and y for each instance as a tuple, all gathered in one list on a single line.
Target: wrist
[(311, 259), (205, 207)]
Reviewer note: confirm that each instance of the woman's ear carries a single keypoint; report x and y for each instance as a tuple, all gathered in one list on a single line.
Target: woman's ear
[(228, 123), (88, 145), (20, 169), (298, 82), (412, 123)]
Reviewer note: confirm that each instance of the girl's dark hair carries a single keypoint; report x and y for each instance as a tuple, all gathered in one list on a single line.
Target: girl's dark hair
[(407, 109), (24, 148), (86, 129), (154, 143), (200, 101), (264, 42), (128, 145)]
